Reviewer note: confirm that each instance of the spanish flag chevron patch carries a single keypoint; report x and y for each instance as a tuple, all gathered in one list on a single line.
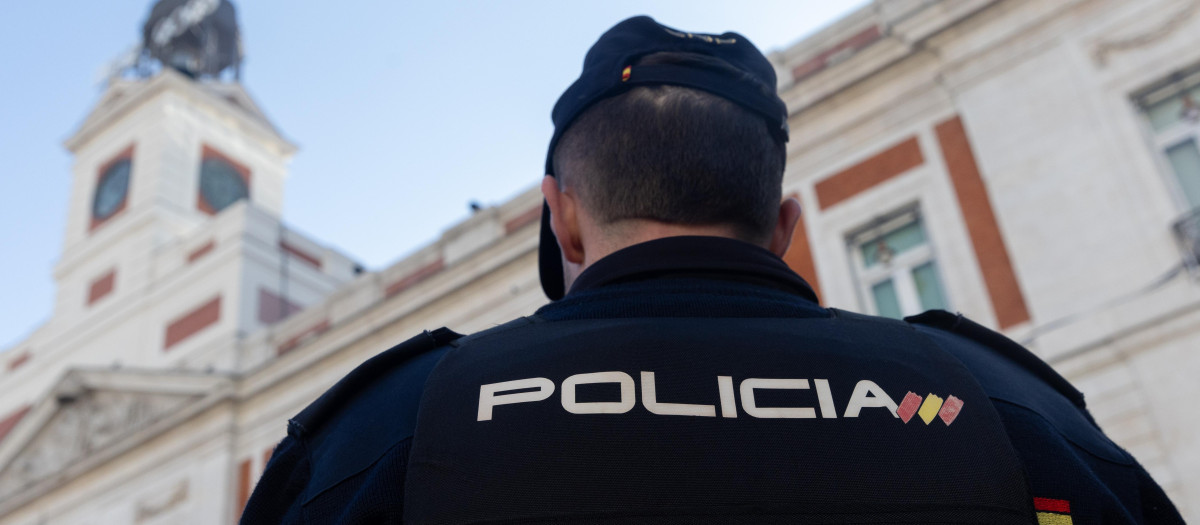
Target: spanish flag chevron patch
[(1052, 511)]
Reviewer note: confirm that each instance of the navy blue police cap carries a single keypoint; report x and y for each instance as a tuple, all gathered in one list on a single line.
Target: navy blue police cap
[(609, 70)]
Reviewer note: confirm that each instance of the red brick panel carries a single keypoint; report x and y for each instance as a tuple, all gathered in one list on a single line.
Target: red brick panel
[(10, 421), (413, 278), (202, 317), (312, 260), (19, 361), (201, 251), (527, 217), (998, 274), (800, 257), (243, 486), (822, 60), (101, 287), (862, 176), (809, 67), (273, 308)]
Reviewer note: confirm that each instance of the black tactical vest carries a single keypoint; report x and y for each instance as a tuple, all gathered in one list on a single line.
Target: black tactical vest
[(840, 419)]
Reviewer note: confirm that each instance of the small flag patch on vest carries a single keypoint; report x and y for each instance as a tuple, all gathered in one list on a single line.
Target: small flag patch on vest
[(908, 406), (1052, 511), (929, 408), (950, 409)]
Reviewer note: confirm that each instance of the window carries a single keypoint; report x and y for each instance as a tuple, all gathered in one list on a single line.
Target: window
[(898, 274), (222, 182), (112, 188), (1172, 111)]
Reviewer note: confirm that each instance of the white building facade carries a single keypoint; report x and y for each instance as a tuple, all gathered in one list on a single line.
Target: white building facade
[(1030, 163)]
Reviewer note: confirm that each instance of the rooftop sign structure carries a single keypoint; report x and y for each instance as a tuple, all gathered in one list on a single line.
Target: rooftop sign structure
[(198, 38)]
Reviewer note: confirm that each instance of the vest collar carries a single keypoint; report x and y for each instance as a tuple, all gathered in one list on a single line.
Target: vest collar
[(713, 257)]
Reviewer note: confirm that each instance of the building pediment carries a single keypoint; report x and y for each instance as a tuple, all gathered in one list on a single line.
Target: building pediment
[(228, 99), (91, 416)]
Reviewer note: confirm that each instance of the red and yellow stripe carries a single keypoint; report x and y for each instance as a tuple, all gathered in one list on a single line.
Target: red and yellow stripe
[(1052, 511)]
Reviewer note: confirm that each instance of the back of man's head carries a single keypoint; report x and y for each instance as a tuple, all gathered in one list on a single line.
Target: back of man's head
[(665, 133), (674, 155)]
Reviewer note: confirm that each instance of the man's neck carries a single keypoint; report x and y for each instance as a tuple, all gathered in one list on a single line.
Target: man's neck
[(614, 237)]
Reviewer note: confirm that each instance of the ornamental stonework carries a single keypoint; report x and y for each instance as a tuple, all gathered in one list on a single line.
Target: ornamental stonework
[(84, 425)]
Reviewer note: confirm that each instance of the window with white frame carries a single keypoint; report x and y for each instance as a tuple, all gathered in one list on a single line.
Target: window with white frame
[(896, 267), (1172, 111)]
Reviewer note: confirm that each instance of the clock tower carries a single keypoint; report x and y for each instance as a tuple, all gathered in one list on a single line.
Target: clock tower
[(175, 274), (174, 250)]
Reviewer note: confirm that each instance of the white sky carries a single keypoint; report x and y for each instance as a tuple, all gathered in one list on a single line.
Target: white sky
[(404, 111)]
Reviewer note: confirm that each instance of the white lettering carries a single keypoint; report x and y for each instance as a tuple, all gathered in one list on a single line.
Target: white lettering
[(728, 403), (488, 398), (748, 404), (867, 394), (650, 401), (825, 398), (628, 399)]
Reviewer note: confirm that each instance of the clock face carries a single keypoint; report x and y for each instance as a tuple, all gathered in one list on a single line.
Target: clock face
[(110, 192), (221, 184)]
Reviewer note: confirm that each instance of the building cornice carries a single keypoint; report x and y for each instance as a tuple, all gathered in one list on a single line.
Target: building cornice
[(862, 45)]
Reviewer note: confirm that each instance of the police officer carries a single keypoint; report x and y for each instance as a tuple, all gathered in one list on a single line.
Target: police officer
[(683, 373)]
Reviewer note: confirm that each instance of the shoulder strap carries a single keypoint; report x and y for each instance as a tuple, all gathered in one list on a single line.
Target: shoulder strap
[(500, 328), (336, 397), (1001, 345), (857, 317)]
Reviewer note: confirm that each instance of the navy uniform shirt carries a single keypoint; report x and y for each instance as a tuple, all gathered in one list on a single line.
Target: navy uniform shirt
[(695, 379)]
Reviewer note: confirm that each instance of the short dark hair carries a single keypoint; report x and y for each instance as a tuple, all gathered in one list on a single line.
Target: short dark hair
[(676, 155)]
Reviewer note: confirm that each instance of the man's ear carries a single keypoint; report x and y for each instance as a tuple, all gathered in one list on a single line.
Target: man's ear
[(564, 219), (785, 226)]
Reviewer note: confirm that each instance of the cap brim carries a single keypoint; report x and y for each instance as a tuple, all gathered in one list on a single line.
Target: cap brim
[(550, 268)]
